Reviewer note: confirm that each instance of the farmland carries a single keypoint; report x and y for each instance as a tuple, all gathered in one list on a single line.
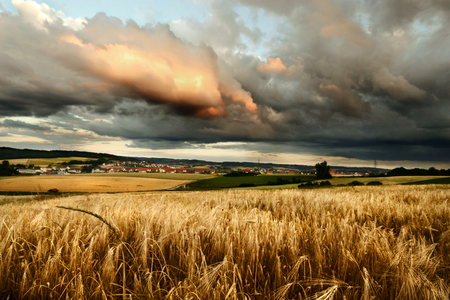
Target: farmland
[(77, 183), (440, 180), (394, 180), (44, 162), (389, 242), (222, 182), (173, 176)]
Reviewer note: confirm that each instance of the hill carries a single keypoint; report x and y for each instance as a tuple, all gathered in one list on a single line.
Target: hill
[(13, 153)]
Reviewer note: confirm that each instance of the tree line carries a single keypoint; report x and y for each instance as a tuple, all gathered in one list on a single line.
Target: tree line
[(418, 172)]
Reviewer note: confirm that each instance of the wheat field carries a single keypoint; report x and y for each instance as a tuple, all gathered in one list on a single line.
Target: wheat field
[(342, 243)]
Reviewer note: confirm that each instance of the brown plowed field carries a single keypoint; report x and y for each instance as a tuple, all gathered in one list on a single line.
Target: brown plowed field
[(71, 183)]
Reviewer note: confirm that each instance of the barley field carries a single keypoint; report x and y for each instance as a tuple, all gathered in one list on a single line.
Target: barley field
[(389, 242), (89, 184)]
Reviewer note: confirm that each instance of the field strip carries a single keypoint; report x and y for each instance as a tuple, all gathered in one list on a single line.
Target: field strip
[(68, 183)]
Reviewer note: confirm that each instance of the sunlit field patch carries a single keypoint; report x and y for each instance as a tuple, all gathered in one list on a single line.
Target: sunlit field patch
[(44, 162), (73, 183), (348, 243)]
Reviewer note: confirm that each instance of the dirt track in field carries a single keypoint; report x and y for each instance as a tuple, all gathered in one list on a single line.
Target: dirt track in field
[(71, 183)]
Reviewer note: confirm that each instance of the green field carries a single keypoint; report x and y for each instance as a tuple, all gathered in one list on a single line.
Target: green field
[(394, 180), (445, 180), (385, 180), (224, 182)]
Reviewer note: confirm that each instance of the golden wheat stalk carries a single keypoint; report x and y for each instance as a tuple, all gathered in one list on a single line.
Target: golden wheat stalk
[(130, 256)]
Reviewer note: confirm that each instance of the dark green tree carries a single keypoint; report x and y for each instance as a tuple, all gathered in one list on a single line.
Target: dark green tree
[(323, 171), (6, 169)]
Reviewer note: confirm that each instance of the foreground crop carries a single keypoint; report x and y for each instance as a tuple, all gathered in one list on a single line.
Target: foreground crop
[(357, 243)]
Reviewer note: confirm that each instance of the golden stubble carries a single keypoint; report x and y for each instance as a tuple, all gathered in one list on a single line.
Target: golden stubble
[(87, 184)]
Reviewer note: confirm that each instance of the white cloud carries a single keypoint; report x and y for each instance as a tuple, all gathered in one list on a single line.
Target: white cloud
[(41, 14)]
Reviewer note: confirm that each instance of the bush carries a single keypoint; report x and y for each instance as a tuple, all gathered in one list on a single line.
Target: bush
[(355, 183), (375, 183), (247, 185), (239, 174), (296, 180), (308, 184), (325, 183)]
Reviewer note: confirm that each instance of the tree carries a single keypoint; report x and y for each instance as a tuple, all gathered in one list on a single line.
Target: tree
[(323, 171), (6, 169)]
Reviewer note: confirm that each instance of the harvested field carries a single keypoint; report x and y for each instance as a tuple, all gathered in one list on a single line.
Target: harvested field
[(176, 176), (71, 183)]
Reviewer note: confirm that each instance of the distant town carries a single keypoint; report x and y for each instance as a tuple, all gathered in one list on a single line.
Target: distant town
[(146, 167)]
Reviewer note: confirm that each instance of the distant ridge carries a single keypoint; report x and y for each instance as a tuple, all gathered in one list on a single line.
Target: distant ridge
[(13, 153)]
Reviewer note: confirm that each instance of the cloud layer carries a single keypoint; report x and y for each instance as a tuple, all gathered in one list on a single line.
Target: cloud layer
[(361, 79), (102, 61)]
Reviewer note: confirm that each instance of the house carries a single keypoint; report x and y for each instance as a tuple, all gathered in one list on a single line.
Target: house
[(28, 171), (115, 169), (204, 170), (169, 170), (74, 171), (98, 170), (184, 170), (138, 169)]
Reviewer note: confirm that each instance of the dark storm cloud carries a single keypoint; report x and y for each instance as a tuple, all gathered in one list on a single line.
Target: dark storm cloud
[(8, 123), (359, 79), (353, 67)]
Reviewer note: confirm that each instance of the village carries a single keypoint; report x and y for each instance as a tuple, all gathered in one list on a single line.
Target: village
[(146, 167)]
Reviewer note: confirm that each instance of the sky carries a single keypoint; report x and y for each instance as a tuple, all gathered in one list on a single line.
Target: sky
[(290, 81)]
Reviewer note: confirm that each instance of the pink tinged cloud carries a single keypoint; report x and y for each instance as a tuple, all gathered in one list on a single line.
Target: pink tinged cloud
[(273, 66), (160, 68), (148, 63)]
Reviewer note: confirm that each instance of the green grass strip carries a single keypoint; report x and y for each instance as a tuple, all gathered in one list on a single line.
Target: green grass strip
[(445, 180)]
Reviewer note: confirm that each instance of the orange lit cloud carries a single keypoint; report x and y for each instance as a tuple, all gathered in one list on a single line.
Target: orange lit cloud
[(157, 67), (273, 65)]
